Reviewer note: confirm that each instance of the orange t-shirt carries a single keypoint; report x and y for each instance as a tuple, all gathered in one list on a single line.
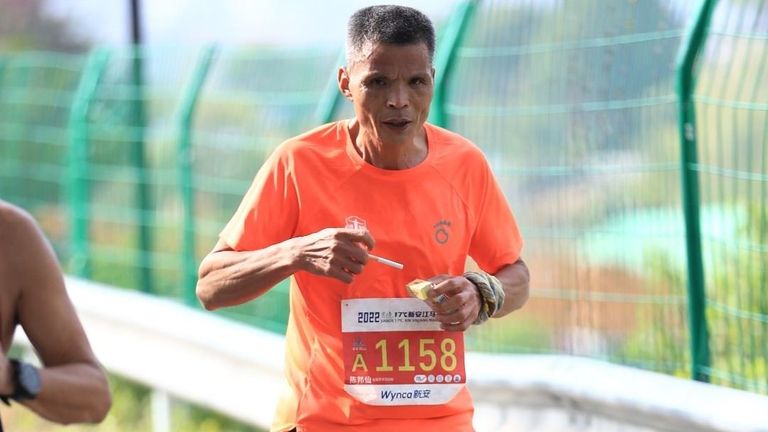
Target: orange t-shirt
[(428, 217)]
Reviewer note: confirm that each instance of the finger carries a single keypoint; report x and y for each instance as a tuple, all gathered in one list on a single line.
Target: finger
[(340, 274), (351, 266), (457, 310), (459, 319), (446, 305), (357, 235), (358, 254), (343, 248), (436, 279), (453, 317), (351, 254), (457, 303), (453, 286), (340, 261), (447, 288), (461, 326)]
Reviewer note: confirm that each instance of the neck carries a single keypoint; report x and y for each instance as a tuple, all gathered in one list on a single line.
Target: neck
[(389, 156)]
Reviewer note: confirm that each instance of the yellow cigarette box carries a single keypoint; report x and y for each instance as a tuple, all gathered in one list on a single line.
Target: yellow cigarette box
[(419, 288)]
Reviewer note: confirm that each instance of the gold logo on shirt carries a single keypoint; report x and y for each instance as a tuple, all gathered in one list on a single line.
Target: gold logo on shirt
[(441, 231)]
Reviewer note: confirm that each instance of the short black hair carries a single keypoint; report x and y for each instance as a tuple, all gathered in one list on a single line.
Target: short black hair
[(388, 24)]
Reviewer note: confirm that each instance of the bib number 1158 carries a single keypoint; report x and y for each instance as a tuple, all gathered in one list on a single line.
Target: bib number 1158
[(404, 355), (426, 360)]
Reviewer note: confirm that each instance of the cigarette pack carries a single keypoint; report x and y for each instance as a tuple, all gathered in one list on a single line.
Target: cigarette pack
[(419, 288)]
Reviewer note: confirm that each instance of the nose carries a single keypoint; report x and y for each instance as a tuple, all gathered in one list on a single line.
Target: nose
[(398, 97)]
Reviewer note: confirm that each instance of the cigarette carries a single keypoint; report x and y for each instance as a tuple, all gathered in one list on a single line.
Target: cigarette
[(385, 261)]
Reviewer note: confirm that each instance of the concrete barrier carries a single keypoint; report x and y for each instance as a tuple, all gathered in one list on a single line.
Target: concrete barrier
[(236, 370)]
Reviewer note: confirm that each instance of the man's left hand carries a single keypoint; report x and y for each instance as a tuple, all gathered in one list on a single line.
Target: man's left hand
[(455, 300)]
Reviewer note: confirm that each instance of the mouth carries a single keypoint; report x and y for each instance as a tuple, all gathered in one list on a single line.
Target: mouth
[(397, 123)]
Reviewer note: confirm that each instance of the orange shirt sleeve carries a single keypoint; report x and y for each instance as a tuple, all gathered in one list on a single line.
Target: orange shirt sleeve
[(268, 214), (496, 241)]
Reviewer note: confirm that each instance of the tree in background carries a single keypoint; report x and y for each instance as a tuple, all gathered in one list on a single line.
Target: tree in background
[(24, 25)]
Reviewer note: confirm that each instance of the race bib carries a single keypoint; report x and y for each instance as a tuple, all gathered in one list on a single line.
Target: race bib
[(396, 354)]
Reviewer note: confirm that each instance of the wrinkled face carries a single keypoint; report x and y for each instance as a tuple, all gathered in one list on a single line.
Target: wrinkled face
[(391, 88)]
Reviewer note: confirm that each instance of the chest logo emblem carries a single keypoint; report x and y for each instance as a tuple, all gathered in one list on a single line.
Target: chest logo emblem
[(442, 231), (355, 222)]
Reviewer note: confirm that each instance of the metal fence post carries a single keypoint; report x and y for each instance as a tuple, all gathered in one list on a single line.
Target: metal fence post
[(692, 44), (79, 190), (445, 58), (160, 401), (18, 133), (329, 100), (186, 181), (138, 157)]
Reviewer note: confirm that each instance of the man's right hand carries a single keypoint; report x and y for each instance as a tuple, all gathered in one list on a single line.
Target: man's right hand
[(228, 277), (339, 253)]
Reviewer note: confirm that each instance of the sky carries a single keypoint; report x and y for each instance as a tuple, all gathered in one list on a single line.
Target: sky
[(230, 22)]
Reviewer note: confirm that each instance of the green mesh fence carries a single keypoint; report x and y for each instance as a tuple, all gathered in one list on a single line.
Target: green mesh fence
[(133, 212), (134, 160), (36, 92), (94, 147), (574, 105), (252, 102), (731, 101)]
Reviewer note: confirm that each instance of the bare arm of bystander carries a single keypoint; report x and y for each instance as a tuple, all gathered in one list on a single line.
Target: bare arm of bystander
[(73, 386)]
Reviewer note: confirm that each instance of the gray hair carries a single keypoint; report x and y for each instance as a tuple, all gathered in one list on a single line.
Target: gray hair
[(388, 24)]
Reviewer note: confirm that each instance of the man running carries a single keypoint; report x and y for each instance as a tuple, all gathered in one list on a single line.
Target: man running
[(362, 355)]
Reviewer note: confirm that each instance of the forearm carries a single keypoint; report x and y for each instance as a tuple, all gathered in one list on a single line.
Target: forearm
[(73, 393), (515, 280), (229, 278)]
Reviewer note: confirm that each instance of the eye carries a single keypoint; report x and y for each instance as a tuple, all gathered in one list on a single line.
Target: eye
[(418, 81), (377, 82)]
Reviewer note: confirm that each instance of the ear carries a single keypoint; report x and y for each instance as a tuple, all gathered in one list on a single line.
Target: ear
[(343, 78), (433, 73)]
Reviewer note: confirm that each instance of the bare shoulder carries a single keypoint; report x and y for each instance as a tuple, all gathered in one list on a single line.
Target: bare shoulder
[(19, 231), (11, 215), (15, 220), (24, 249)]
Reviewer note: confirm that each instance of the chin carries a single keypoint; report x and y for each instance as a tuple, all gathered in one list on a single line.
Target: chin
[(397, 138)]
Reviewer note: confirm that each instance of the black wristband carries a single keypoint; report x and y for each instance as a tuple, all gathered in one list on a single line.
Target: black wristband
[(26, 381)]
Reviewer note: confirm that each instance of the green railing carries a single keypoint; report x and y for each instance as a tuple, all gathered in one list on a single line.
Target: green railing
[(730, 99), (575, 105), (697, 318)]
